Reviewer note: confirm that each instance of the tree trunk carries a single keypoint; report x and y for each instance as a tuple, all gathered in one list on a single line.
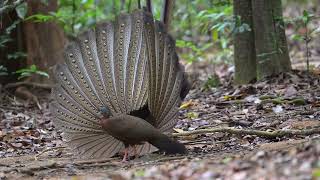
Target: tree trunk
[(244, 49), (44, 41), (270, 44), (284, 59)]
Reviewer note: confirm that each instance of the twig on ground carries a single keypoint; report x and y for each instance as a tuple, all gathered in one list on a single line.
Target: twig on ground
[(55, 165), (47, 150), (266, 134), (170, 158), (206, 142)]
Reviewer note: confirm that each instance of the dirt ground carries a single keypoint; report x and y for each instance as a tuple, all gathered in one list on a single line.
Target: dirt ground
[(31, 148)]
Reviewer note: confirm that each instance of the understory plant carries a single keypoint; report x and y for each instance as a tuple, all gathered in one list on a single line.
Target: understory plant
[(20, 7)]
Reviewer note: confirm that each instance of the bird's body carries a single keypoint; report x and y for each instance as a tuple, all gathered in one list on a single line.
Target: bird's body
[(121, 86), (132, 130)]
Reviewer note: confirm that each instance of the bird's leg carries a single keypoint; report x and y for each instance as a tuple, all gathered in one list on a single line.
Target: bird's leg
[(135, 151), (125, 156)]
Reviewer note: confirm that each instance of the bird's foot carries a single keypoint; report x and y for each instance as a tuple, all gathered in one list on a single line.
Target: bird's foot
[(125, 156), (136, 155)]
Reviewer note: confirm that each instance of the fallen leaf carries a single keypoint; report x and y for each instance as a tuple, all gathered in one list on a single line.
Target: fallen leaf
[(187, 104), (277, 109)]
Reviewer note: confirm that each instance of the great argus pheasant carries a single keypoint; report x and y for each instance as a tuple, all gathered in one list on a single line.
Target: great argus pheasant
[(120, 87)]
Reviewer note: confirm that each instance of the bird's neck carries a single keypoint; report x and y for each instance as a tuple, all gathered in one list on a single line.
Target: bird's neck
[(105, 123)]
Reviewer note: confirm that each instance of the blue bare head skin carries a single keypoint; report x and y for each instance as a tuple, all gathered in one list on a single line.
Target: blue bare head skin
[(105, 111)]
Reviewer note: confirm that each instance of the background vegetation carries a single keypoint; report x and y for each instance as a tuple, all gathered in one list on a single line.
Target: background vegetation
[(203, 28)]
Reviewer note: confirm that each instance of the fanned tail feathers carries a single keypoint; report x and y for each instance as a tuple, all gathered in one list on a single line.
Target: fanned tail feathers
[(122, 65), (105, 67), (165, 76)]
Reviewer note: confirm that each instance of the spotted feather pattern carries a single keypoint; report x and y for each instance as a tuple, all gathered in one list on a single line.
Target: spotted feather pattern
[(165, 76), (122, 65)]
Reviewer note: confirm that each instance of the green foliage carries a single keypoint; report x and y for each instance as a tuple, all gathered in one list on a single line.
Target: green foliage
[(192, 115), (304, 32), (3, 71), (27, 72), (5, 37), (206, 27), (21, 11), (199, 25), (212, 82), (316, 173), (197, 53), (77, 15), (16, 55), (202, 26), (139, 173), (302, 22), (74, 16)]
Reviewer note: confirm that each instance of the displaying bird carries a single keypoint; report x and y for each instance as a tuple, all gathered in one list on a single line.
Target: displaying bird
[(120, 87)]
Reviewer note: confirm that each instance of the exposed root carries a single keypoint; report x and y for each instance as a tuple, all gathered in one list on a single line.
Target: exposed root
[(266, 134)]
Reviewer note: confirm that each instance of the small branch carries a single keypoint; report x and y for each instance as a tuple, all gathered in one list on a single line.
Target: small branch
[(170, 158), (47, 150), (266, 134)]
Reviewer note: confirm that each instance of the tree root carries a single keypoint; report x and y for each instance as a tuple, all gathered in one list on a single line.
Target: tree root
[(31, 84), (266, 134), (24, 93), (48, 150)]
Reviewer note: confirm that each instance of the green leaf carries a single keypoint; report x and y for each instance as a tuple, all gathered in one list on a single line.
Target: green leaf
[(3, 71), (4, 39), (227, 160), (306, 17), (42, 73), (25, 72), (12, 26), (46, 2), (33, 68), (139, 173), (41, 18), (215, 35), (22, 10), (297, 37), (192, 115), (316, 173), (16, 55), (212, 81)]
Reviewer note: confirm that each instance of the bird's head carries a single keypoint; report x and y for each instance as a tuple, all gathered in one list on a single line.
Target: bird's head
[(105, 112)]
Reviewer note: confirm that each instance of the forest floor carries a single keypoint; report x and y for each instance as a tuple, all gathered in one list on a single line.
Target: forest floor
[(30, 147)]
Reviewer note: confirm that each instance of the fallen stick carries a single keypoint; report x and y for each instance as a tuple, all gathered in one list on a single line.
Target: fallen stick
[(48, 150), (266, 134)]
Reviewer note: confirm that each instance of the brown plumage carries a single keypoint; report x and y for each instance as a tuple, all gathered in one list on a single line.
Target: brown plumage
[(133, 130), (121, 85)]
